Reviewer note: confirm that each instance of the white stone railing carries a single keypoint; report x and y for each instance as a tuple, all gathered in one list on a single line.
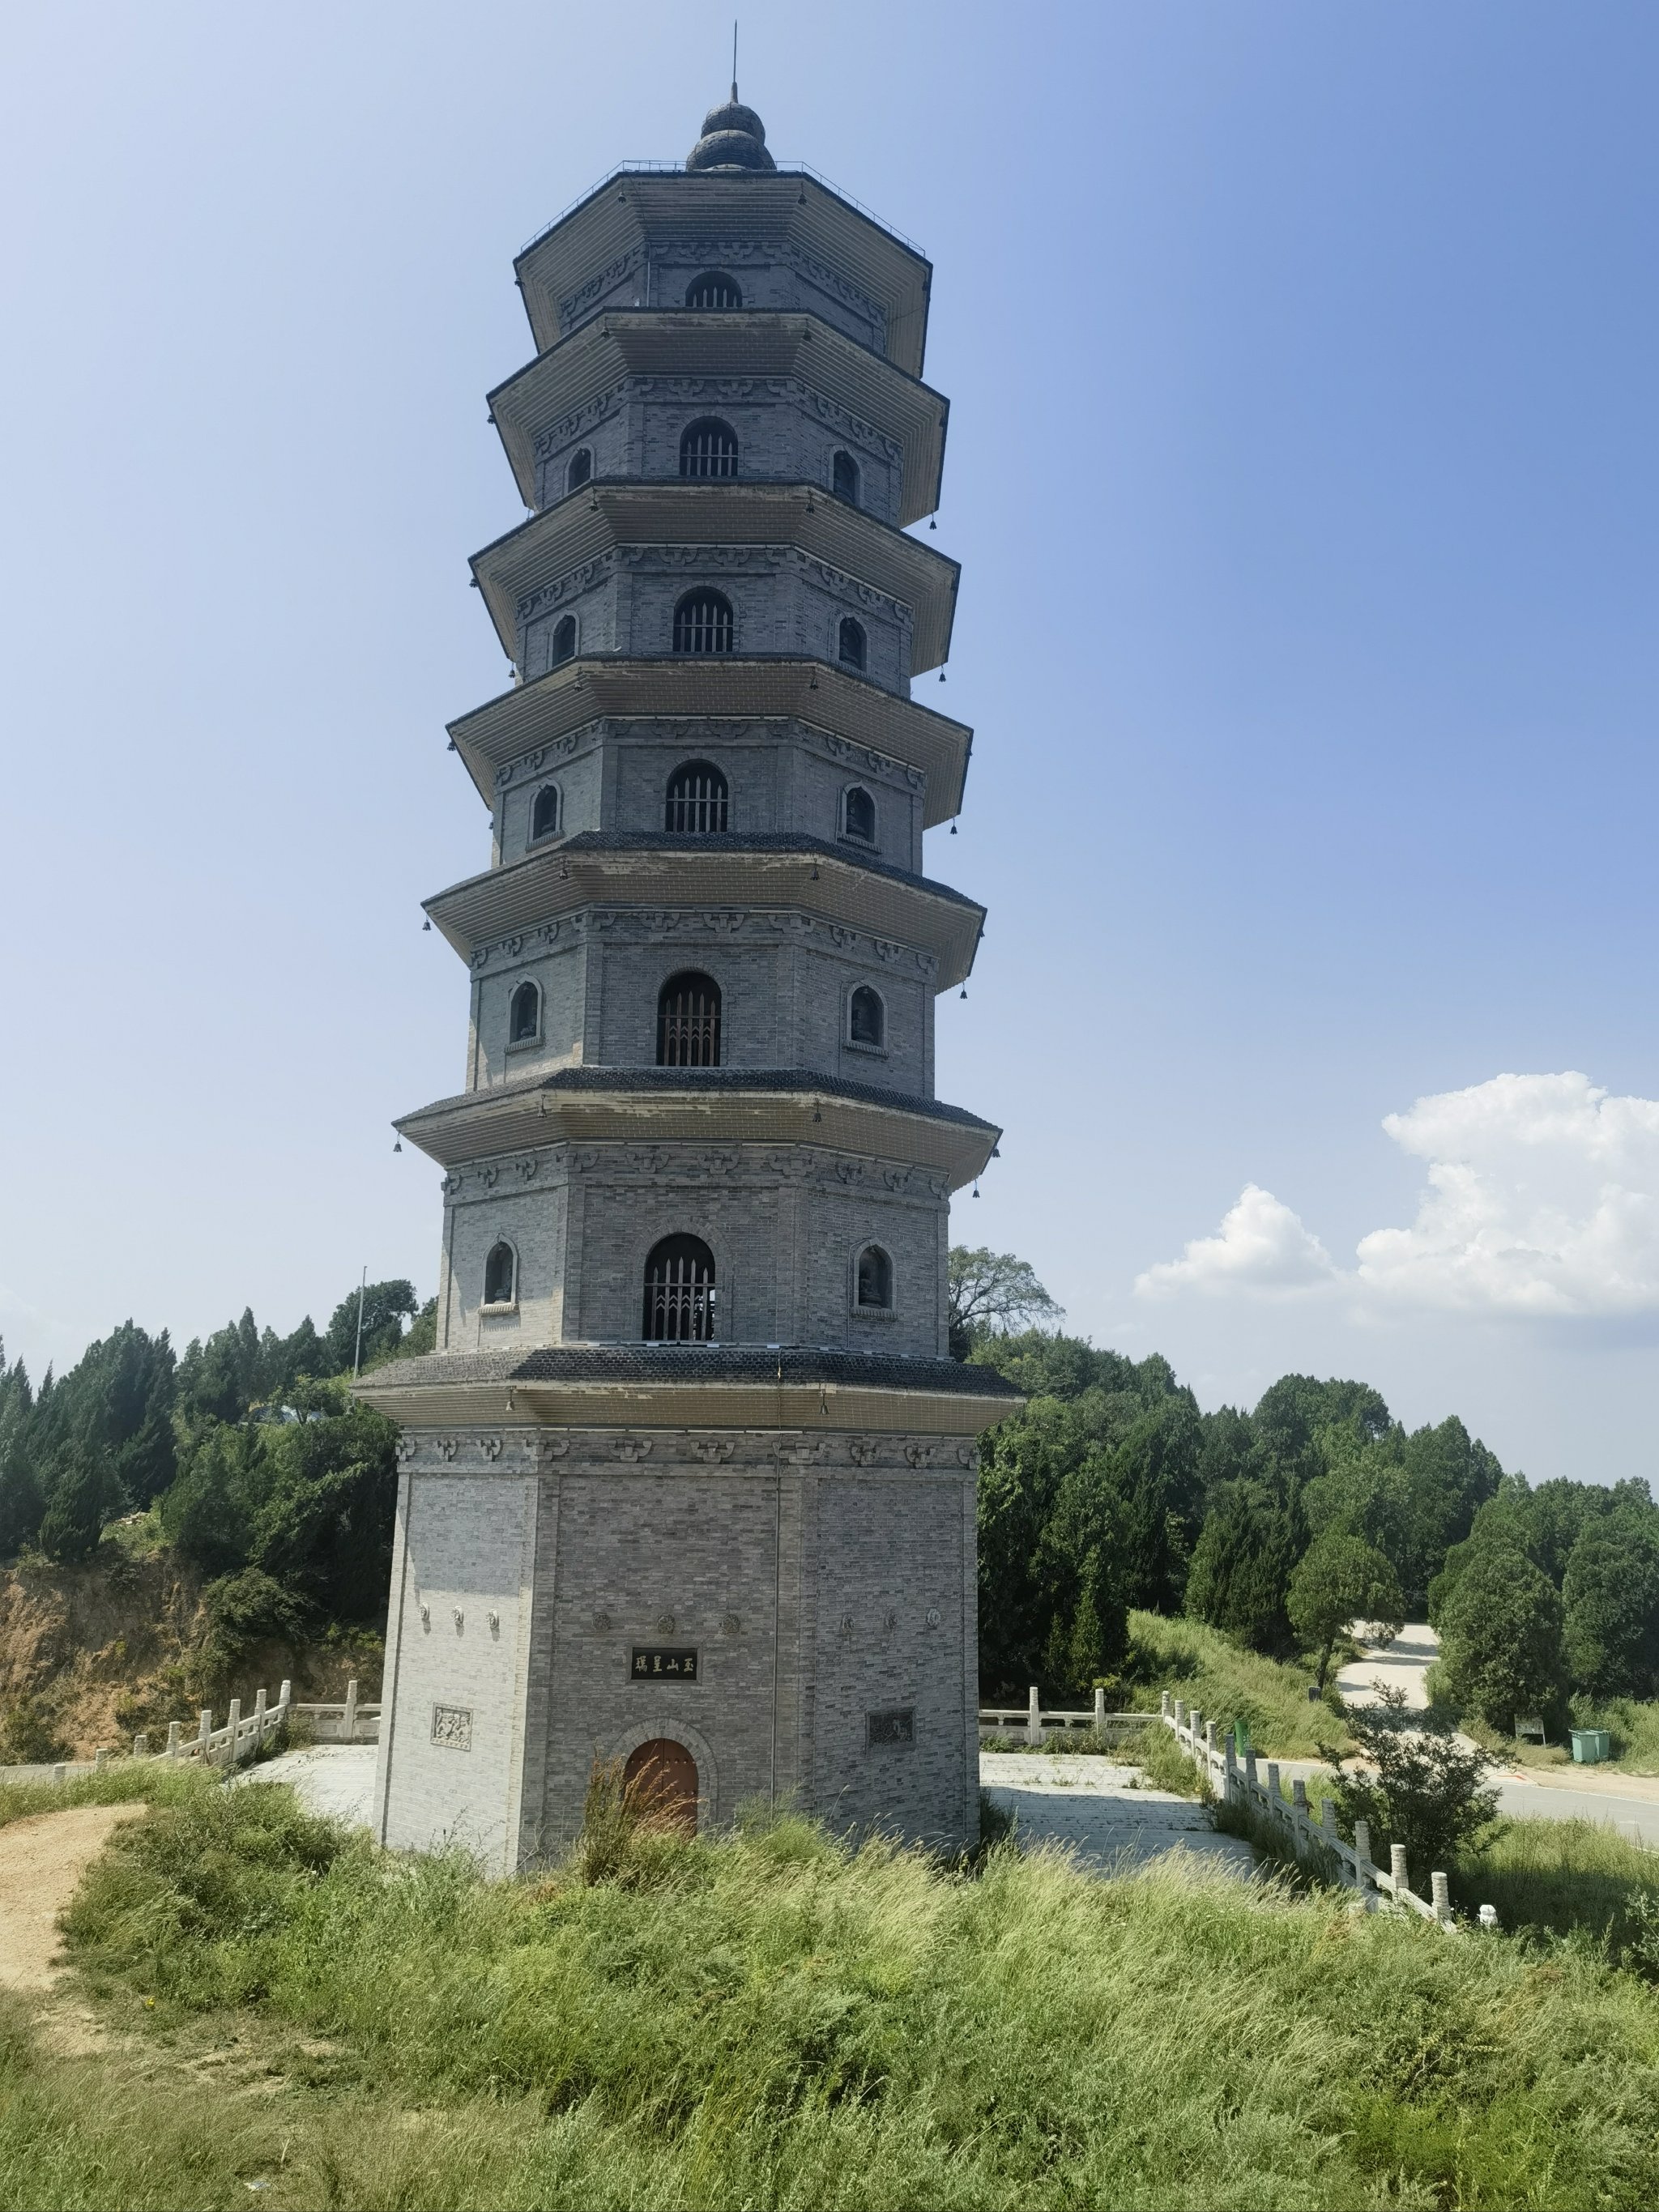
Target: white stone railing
[(242, 1736), (1236, 1783), (347, 1720), (1039, 1723)]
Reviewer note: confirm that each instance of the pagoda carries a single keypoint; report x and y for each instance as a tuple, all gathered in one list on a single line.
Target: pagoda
[(688, 1484)]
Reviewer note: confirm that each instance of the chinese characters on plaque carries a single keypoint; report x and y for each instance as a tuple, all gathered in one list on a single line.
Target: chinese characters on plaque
[(652, 1664)]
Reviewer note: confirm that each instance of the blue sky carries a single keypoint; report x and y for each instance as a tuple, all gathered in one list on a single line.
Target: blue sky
[(1303, 469)]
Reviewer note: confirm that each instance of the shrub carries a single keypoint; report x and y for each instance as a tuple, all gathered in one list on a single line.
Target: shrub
[(28, 1735), (1426, 1790)]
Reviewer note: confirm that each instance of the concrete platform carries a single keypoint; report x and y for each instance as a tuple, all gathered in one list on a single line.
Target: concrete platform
[(1102, 1811)]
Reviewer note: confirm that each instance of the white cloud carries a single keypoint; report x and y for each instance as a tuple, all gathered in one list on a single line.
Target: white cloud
[(1541, 1200), (1260, 1246)]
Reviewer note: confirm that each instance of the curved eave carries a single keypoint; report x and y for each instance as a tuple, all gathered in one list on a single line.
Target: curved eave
[(687, 1404), (631, 211), (800, 874), (532, 1112), (601, 517), (620, 343), (741, 688)]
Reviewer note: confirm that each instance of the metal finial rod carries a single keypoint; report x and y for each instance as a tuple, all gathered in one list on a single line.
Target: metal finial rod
[(734, 61)]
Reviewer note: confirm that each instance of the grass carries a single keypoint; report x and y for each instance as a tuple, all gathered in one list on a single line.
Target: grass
[(1228, 1683), (123, 1782), (1633, 1723), (780, 2019)]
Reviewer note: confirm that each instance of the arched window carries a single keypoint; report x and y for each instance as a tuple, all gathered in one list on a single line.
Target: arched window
[(844, 477), (703, 623), (689, 1021), (708, 448), (713, 288), (500, 1275), (696, 800), (545, 812), (850, 645), (581, 467), (679, 1293), (564, 640), (875, 1280), (858, 815), (524, 1019), (867, 1018)]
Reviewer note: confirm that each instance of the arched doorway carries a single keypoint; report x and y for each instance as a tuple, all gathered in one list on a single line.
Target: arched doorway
[(665, 1774)]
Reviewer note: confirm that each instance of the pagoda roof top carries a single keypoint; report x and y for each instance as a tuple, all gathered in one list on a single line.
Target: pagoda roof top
[(642, 202), (717, 1106), (771, 868), (623, 342), (822, 695)]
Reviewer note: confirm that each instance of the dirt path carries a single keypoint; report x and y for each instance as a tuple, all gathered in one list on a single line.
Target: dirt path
[(41, 1860)]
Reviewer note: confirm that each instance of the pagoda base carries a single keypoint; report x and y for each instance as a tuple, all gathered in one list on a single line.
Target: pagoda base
[(795, 1608)]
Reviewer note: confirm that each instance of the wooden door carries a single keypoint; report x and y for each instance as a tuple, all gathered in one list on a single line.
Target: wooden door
[(665, 1774)]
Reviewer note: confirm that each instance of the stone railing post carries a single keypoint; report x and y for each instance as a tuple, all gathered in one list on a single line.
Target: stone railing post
[(141, 1744), (285, 1695), (1397, 1869), (351, 1710), (260, 1722), (204, 1733), (1275, 1800), (1100, 1711), (236, 1726), (1362, 1852), (1180, 1710), (1229, 1786), (1440, 1888), (100, 1761), (60, 1773), (174, 1732), (1250, 1782), (1299, 1823), (1165, 1703), (1034, 1716), (1195, 1727)]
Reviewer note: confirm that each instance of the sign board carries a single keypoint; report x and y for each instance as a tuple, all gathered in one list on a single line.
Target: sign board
[(652, 1663)]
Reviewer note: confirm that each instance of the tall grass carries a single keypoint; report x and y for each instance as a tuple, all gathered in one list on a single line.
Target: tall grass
[(1228, 1683), (123, 1782), (781, 2019)]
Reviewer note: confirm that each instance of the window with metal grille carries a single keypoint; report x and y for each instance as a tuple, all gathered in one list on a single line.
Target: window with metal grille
[(500, 1275), (689, 1021), (867, 1016), (713, 288), (703, 623), (875, 1278), (564, 640), (708, 448), (858, 815), (850, 644), (696, 800), (679, 1293), (844, 477), (581, 467), (545, 812)]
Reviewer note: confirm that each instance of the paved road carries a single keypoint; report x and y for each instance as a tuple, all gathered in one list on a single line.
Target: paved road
[(1102, 1811)]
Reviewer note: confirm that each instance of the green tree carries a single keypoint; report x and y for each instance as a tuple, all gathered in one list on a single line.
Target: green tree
[(1610, 1605), (992, 1294), (210, 1512), (1341, 1578), (1501, 1637), (79, 1497), (1240, 1577), (386, 1307), (1415, 1784)]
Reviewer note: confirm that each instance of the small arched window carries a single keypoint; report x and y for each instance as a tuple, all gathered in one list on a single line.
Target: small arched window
[(524, 1019), (844, 478), (858, 815), (689, 1021), (875, 1279), (866, 1022), (679, 1293), (696, 800), (500, 1275), (850, 645), (581, 467), (713, 288), (703, 623), (564, 640), (708, 448), (544, 811)]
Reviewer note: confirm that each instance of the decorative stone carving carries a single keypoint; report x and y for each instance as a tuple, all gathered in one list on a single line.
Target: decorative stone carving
[(451, 1727), (632, 1449), (713, 1450), (490, 1447), (602, 1623), (863, 1451), (664, 1623)]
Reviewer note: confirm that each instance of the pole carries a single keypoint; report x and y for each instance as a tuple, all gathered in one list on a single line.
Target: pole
[(362, 1292)]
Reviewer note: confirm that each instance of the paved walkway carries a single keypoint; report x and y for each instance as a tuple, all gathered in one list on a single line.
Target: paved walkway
[(1102, 1811), (335, 1779)]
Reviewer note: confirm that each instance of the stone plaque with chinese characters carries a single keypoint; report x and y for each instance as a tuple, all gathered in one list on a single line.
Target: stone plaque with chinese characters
[(891, 1728), (452, 1725), (656, 1663)]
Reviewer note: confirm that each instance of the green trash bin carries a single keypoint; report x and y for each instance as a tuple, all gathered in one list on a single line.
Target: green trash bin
[(1241, 1738), (1591, 1746)]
